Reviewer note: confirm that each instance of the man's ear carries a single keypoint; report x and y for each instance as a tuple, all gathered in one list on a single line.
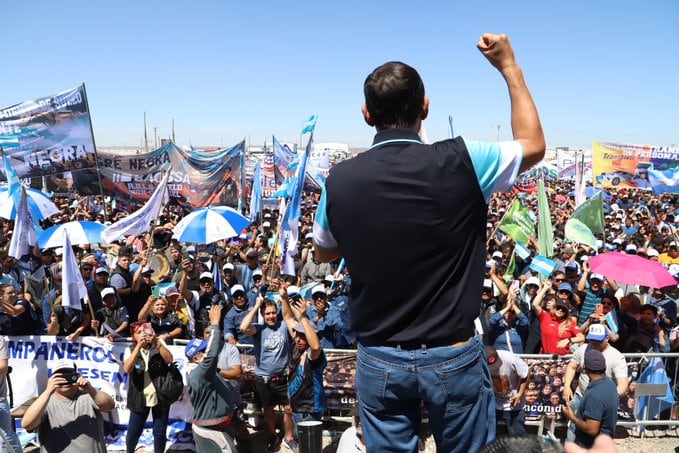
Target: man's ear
[(425, 108), (366, 116)]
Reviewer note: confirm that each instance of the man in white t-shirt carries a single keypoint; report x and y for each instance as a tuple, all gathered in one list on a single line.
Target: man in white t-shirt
[(510, 380)]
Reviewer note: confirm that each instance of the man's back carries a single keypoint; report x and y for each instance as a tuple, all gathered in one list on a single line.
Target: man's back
[(600, 402), (416, 262)]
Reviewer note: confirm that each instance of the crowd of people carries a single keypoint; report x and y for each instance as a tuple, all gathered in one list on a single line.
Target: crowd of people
[(550, 316), (419, 335)]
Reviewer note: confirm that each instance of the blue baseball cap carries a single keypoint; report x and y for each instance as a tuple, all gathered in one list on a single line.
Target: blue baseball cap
[(565, 286), (194, 347)]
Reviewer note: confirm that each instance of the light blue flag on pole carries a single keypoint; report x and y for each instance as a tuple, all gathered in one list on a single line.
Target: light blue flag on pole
[(256, 195), (295, 207), (309, 125), (543, 265), (649, 407), (521, 250), (12, 176), (450, 122), (9, 141)]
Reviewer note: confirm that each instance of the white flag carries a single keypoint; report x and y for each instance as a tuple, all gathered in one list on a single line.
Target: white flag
[(72, 285), (138, 222), (23, 236)]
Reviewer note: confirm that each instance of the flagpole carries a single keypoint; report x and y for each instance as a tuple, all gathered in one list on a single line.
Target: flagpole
[(275, 241), (96, 157)]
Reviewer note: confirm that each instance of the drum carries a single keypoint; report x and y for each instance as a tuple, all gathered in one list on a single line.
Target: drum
[(160, 265)]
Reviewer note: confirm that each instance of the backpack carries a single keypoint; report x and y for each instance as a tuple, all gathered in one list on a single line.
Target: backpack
[(168, 383)]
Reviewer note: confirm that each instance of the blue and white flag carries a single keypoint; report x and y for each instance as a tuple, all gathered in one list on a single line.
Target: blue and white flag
[(256, 195), (521, 250), (217, 277), (648, 407), (13, 182), (138, 222), (290, 225), (543, 265), (9, 141), (23, 236), (664, 181), (295, 206), (73, 287), (309, 125)]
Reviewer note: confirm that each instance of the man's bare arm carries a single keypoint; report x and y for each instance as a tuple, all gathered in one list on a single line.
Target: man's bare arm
[(525, 120)]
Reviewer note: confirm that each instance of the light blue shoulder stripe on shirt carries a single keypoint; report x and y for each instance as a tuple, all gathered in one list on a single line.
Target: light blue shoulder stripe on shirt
[(322, 235), (496, 164)]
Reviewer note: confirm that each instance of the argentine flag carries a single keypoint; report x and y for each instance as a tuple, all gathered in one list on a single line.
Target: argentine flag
[(309, 125), (542, 265)]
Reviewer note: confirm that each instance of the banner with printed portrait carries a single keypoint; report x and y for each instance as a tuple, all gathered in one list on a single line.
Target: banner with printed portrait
[(619, 165), (197, 178), (49, 135)]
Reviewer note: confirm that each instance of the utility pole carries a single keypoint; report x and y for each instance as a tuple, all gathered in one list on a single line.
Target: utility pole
[(146, 139)]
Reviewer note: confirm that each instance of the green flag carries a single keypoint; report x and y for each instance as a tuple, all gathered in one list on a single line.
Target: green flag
[(591, 213), (511, 268), (545, 230), (577, 231), (517, 223)]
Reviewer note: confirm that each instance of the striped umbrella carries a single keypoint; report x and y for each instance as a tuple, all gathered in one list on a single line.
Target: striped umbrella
[(79, 233), (39, 204), (207, 225)]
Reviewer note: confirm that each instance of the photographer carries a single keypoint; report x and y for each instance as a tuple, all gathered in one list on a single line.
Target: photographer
[(67, 414)]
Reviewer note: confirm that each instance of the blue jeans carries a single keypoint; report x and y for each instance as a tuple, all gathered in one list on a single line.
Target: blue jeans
[(515, 421), (575, 405), (136, 425), (391, 384), (6, 425)]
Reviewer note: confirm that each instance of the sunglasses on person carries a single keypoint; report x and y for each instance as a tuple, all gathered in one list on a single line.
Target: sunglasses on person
[(558, 280)]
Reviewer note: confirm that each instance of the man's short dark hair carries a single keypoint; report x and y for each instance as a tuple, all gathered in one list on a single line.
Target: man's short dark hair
[(394, 95)]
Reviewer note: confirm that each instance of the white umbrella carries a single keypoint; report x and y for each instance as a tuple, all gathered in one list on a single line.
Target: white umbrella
[(39, 204), (79, 233), (207, 225)]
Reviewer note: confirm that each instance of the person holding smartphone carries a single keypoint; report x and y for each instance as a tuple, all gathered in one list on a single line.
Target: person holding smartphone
[(68, 397)]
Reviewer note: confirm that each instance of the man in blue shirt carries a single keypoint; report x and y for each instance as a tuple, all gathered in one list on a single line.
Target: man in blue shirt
[(432, 201), (598, 413)]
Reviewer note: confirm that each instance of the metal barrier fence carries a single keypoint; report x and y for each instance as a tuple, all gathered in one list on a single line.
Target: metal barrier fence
[(653, 388)]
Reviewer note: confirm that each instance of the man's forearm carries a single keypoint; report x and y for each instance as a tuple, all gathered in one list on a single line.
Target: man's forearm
[(526, 125)]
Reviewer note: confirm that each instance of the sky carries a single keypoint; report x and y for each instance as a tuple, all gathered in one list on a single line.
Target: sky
[(227, 71)]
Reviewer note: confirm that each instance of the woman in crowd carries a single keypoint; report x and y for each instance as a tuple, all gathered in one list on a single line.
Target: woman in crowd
[(165, 323), (148, 354), (559, 329)]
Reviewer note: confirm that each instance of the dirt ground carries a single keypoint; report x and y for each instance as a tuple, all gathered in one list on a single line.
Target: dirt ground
[(628, 441)]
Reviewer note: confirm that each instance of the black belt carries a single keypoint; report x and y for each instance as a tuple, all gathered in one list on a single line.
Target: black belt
[(414, 345)]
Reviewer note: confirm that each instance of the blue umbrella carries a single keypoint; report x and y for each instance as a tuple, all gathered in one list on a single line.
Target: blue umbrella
[(207, 225), (79, 233), (39, 204)]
